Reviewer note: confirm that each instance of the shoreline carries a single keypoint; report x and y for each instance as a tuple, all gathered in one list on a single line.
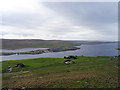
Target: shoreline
[(58, 54), (56, 58)]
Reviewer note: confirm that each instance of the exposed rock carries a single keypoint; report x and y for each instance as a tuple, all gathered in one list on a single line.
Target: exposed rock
[(70, 57), (68, 71), (68, 62), (20, 65)]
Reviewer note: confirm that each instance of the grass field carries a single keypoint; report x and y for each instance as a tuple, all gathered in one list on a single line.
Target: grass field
[(87, 72)]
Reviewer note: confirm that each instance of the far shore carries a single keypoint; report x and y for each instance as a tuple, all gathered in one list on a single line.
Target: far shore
[(59, 49)]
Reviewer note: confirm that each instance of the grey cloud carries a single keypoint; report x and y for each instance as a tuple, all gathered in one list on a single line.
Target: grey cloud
[(99, 12), (17, 33), (94, 15), (101, 17), (23, 20)]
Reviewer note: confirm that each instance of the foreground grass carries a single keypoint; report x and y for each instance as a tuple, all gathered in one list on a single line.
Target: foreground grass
[(87, 72)]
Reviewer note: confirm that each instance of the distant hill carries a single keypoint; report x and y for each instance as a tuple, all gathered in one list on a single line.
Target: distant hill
[(90, 42), (39, 43), (34, 43)]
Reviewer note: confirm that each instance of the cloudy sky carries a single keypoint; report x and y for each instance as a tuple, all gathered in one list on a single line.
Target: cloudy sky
[(32, 19)]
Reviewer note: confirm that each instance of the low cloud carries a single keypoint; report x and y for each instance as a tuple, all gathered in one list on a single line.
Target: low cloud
[(64, 20)]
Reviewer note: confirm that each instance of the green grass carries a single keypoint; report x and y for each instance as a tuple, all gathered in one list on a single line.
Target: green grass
[(87, 72)]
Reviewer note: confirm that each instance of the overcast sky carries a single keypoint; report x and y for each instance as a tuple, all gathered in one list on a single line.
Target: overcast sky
[(31, 19)]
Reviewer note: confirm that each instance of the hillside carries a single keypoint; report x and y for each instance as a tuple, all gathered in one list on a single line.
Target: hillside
[(34, 43), (39, 43)]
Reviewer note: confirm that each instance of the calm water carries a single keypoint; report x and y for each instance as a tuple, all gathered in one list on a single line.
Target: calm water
[(21, 50), (107, 49)]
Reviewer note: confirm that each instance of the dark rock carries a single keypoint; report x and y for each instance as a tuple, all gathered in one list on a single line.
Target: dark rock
[(68, 71), (68, 61), (73, 62), (70, 57), (20, 65)]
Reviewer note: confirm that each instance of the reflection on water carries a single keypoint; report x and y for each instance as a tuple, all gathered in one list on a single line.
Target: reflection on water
[(107, 49)]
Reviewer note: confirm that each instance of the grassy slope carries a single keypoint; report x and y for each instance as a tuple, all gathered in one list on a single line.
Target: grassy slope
[(87, 72), (32, 43), (38, 43)]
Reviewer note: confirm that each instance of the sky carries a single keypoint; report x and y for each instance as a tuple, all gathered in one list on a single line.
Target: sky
[(32, 19)]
